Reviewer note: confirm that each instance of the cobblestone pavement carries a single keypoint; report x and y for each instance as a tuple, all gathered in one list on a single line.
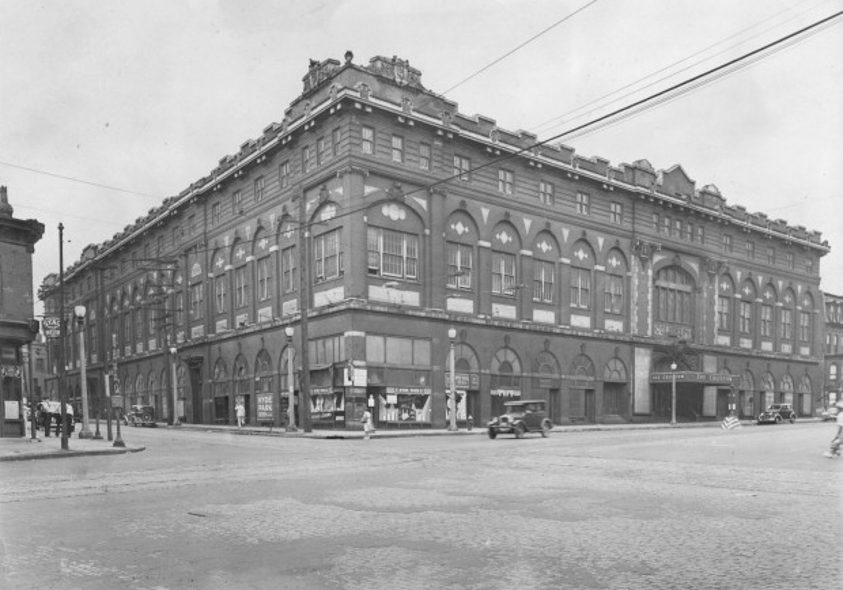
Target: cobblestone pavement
[(756, 508)]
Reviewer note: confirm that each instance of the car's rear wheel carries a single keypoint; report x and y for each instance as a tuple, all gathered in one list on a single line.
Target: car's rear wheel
[(778, 419), (493, 434), (546, 426), (792, 418), (519, 430)]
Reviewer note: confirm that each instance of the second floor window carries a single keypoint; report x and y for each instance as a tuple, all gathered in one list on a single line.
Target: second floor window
[(581, 288), (503, 273), (771, 255), (724, 320), (505, 181), (804, 326), (305, 159), (237, 202), (460, 262), (219, 294), (197, 299), (750, 249), (613, 295), (241, 287), (393, 253), (786, 324), (727, 243), (335, 142), (745, 317), (397, 148), (321, 151), (288, 269), (259, 189), (368, 143), (462, 168), (327, 254), (264, 278), (215, 214), (767, 321), (543, 281)]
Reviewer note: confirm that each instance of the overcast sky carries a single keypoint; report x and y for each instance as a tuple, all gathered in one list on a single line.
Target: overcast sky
[(147, 96)]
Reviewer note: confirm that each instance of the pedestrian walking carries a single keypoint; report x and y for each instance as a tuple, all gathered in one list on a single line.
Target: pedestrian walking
[(368, 425), (240, 411), (834, 449)]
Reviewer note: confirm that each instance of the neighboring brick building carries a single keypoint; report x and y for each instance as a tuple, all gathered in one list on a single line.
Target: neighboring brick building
[(833, 358), (17, 325), (565, 278)]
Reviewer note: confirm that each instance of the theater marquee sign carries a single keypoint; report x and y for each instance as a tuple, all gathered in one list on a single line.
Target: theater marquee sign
[(695, 377)]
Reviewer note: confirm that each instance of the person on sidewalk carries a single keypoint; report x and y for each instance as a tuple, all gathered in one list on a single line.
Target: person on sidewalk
[(240, 411), (368, 424), (834, 449)]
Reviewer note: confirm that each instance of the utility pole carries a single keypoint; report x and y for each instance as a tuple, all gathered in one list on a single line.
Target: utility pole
[(62, 338)]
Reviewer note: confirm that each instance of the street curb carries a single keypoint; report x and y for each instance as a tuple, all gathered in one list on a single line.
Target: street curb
[(71, 453)]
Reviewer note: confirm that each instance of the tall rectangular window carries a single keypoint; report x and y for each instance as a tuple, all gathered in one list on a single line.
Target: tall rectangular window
[(424, 156), (727, 243), (335, 142), (241, 287), (197, 300), (583, 203), (237, 202), (368, 140), (505, 181), (284, 174), (543, 281), (462, 168), (786, 324), (327, 255), (724, 306), (613, 295), (397, 148), (460, 263), (788, 258), (771, 255), (656, 221), (616, 213), (503, 273), (220, 293), (745, 317), (767, 321), (546, 193), (264, 277), (215, 214), (700, 234), (581, 288), (666, 221), (804, 326), (305, 159), (320, 151), (259, 189), (288, 269), (750, 249), (677, 229), (392, 253)]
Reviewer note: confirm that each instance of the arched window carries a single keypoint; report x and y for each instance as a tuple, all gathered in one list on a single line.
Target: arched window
[(582, 265), (747, 298), (263, 372), (546, 253), (220, 268), (242, 280), (832, 373), (786, 320), (506, 370), (787, 390), (806, 321), (461, 236), (264, 287), (505, 246), (613, 293)]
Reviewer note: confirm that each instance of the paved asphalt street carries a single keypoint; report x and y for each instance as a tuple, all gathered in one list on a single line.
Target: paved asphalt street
[(757, 507)]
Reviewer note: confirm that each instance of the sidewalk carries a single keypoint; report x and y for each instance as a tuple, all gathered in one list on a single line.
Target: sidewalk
[(24, 449), (17, 449)]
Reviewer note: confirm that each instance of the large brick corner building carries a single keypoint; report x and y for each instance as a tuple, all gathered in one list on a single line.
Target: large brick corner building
[(390, 218)]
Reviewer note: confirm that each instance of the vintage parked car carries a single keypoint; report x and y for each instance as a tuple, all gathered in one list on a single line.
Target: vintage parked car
[(520, 417), (776, 414), (141, 416)]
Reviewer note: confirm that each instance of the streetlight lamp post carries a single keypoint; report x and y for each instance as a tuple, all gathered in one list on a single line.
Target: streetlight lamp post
[(673, 393), (291, 411), (174, 376), (452, 335), (79, 311)]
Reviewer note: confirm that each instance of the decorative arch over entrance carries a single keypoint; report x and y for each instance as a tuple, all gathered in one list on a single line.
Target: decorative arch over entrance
[(505, 378), (746, 400), (581, 402), (787, 389), (615, 388)]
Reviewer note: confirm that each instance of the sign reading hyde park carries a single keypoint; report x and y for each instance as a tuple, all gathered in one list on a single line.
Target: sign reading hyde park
[(694, 377)]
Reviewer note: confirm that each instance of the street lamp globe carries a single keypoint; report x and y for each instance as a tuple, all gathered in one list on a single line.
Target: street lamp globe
[(673, 366), (173, 350), (289, 332), (79, 311), (452, 333)]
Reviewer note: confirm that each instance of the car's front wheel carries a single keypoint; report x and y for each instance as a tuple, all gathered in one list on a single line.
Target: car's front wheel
[(519, 430), (493, 434), (546, 427), (778, 419), (792, 418)]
